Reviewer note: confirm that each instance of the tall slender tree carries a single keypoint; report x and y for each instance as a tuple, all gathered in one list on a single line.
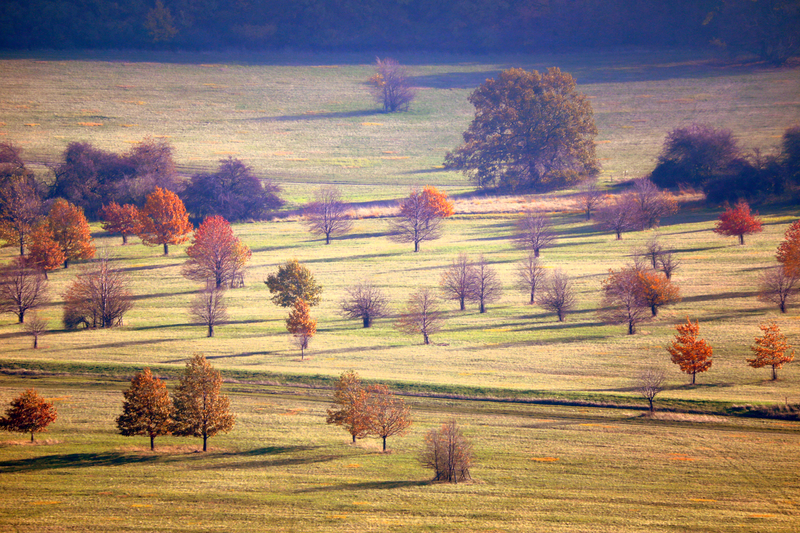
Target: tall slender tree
[(350, 406), (388, 414), (771, 349), (486, 287), (530, 276), (690, 353), (301, 325), (147, 408)]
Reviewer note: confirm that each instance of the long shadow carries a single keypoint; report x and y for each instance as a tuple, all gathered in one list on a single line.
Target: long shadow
[(322, 116), (138, 297), (271, 463), (548, 341), (147, 267), (720, 296), (74, 460), (369, 485)]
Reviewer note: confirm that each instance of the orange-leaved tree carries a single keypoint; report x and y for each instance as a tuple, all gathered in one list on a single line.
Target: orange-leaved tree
[(738, 221), (350, 405), (28, 413), (43, 250), (655, 290), (420, 217), (71, 231), (789, 250), (147, 409), (691, 354), (437, 202), (388, 414), (164, 220), (216, 255), (301, 325), (123, 220), (770, 349)]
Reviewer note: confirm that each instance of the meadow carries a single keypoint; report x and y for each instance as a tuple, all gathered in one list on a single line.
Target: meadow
[(308, 120)]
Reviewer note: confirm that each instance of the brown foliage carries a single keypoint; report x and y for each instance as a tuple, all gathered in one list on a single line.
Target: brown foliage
[(691, 354), (327, 215), (621, 303), (738, 221), (364, 302), (71, 231), (655, 290), (388, 414), (422, 315), (20, 211), (44, 251), (216, 255), (147, 408), (448, 453), (789, 250), (350, 406), (420, 217), (164, 220), (98, 297), (618, 215), (29, 413), (124, 220), (770, 349), (23, 287), (301, 325)]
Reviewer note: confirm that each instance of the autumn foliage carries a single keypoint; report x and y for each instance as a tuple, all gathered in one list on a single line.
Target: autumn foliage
[(29, 413), (350, 406), (388, 414), (71, 231), (43, 250), (164, 220), (654, 290), (216, 255), (789, 250), (738, 221), (770, 349), (301, 325), (691, 354), (291, 282), (420, 216), (147, 409), (123, 220)]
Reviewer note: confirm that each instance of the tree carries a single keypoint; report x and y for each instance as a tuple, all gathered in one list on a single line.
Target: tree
[(667, 263), (350, 406), (327, 215), (737, 221), (159, 23), (36, 326), (23, 287), (770, 349), (530, 275), (98, 297), (649, 383), (651, 203), (364, 302), (530, 131), (590, 198), (124, 220), (44, 251), (777, 286), (422, 315), (147, 408), (20, 211), (448, 453), (293, 282), (301, 325), (390, 86), (232, 192), (388, 414), (618, 215), (209, 308), (200, 410), (71, 231), (534, 232), (651, 250), (164, 220), (691, 354), (458, 280), (420, 217), (216, 255), (29, 413), (789, 250), (485, 287), (621, 302), (655, 290), (558, 294)]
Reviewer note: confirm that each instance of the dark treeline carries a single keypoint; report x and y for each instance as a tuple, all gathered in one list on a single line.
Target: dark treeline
[(459, 25)]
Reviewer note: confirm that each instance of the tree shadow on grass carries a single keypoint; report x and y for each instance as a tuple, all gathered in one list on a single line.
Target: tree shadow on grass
[(323, 116), (721, 296), (369, 485), (74, 460)]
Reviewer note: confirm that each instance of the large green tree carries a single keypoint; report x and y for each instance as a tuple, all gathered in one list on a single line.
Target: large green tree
[(293, 282), (531, 131)]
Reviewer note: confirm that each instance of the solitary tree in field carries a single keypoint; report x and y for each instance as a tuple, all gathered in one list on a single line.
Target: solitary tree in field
[(530, 276), (29, 413), (36, 326), (390, 86), (164, 220), (690, 353), (388, 414), (448, 453), (618, 215), (530, 131), (23, 287), (71, 231), (364, 302), (486, 287), (534, 232), (656, 290), (291, 282), (350, 406), (649, 383), (420, 217), (200, 410), (98, 297), (458, 280), (789, 250), (122, 220), (209, 308), (43, 250), (738, 221), (777, 286), (422, 315), (301, 325), (328, 215), (590, 198), (651, 203), (621, 302), (216, 255), (667, 263), (770, 349), (558, 294), (147, 408)]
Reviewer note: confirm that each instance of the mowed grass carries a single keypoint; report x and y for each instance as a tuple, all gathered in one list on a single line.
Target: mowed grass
[(283, 469)]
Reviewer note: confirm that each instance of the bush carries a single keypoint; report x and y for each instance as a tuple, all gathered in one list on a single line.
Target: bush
[(448, 453)]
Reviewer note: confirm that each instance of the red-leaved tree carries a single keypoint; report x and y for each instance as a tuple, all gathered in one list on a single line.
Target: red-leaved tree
[(123, 220), (738, 221), (690, 353), (164, 220), (216, 255)]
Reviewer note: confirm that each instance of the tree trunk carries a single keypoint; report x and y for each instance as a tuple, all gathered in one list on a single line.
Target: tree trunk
[(166, 252), (302, 353), (535, 252), (416, 246), (463, 303), (741, 238), (425, 336), (631, 327), (354, 439), (384, 443), (124, 239), (651, 405), (619, 235), (774, 373), (211, 330), (152, 442), (205, 442), (66, 263), (35, 342), (783, 305), (367, 321), (21, 245), (560, 314), (327, 238), (483, 306), (31, 436), (654, 310), (693, 376), (21, 316)]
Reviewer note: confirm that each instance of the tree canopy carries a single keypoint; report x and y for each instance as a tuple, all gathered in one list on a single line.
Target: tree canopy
[(530, 131), (28, 413), (293, 282), (164, 220), (216, 255), (147, 408)]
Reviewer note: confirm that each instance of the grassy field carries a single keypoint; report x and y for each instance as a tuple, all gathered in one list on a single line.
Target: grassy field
[(308, 120)]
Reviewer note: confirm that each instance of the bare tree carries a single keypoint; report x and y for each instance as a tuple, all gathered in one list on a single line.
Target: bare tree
[(364, 302), (621, 303), (458, 279), (448, 452), (530, 275), (209, 308), (36, 326), (668, 263), (652, 249), (777, 286), (388, 414), (651, 202), (98, 297), (422, 315), (485, 288), (534, 232), (390, 86), (20, 210), (559, 294), (649, 383), (618, 215), (590, 198), (327, 215), (419, 220), (23, 287)]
